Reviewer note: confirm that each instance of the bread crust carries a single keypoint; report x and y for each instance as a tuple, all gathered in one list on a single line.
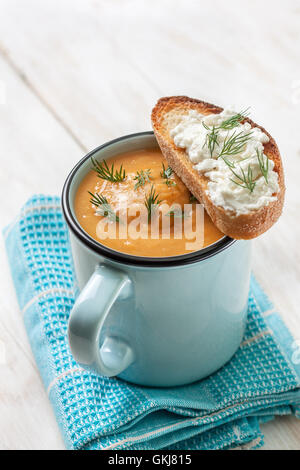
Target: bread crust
[(244, 226)]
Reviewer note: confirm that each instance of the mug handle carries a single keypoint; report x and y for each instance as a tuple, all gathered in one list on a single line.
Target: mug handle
[(87, 318)]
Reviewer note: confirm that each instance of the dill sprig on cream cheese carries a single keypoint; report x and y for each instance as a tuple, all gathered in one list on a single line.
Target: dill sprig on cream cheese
[(103, 206), (166, 174), (106, 173), (245, 180), (228, 162), (151, 202), (263, 164), (235, 120), (142, 177), (234, 144), (228, 124), (211, 138)]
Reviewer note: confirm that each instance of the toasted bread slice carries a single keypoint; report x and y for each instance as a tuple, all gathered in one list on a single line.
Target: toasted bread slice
[(165, 116)]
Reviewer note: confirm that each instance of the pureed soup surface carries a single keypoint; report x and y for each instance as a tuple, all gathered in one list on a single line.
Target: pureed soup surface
[(176, 240)]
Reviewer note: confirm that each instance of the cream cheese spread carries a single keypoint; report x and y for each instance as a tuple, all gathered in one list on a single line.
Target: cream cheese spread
[(230, 155)]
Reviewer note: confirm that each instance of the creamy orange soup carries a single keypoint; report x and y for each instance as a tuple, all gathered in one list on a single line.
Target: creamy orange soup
[(133, 192)]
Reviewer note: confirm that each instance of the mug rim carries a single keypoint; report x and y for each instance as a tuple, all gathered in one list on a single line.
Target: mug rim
[(125, 258)]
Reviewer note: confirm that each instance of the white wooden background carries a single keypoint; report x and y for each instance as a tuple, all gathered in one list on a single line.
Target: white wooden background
[(75, 73)]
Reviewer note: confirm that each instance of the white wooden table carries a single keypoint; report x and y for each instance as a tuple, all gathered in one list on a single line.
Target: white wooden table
[(75, 73)]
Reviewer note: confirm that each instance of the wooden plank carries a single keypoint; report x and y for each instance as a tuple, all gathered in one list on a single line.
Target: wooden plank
[(282, 434), (36, 154), (97, 67)]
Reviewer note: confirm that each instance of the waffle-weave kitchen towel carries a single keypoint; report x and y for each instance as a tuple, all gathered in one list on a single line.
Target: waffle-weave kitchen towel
[(220, 412)]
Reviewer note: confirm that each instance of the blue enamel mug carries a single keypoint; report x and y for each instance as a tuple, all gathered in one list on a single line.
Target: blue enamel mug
[(153, 321)]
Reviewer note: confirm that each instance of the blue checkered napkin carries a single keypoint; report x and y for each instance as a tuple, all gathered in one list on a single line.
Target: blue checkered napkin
[(93, 412)]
